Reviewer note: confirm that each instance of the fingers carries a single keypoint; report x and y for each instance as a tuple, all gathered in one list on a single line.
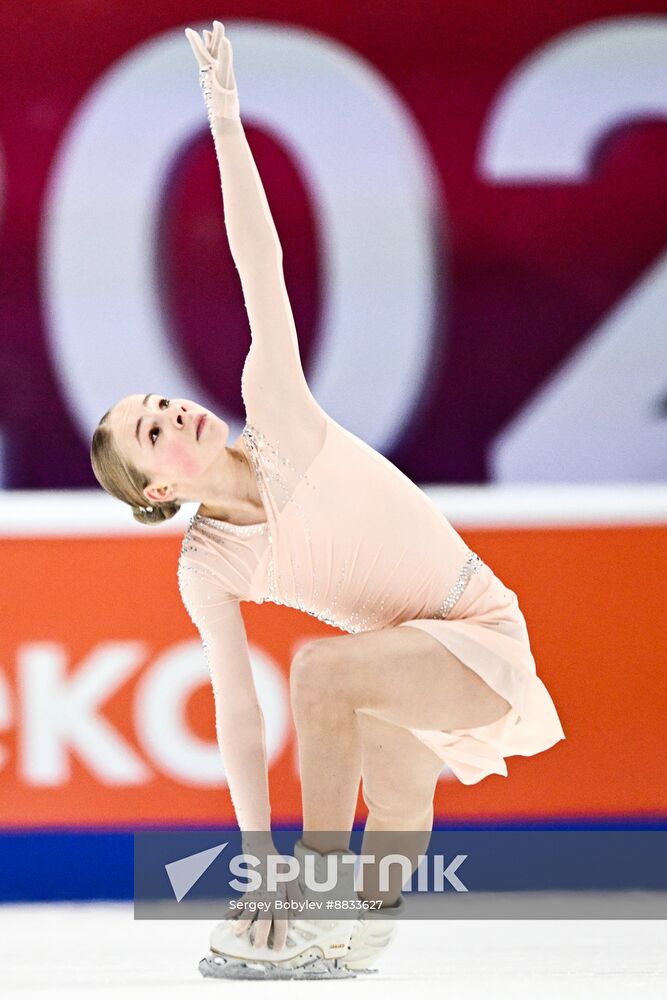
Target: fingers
[(279, 934), (217, 35), (241, 925), (210, 47), (198, 47), (262, 928), (228, 70), (215, 51)]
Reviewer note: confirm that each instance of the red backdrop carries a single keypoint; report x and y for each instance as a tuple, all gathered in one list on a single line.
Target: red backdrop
[(526, 269)]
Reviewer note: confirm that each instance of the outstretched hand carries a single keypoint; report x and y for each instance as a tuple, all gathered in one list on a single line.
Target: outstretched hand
[(216, 71)]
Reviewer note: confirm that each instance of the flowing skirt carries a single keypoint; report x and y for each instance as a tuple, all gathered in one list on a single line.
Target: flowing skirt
[(489, 634)]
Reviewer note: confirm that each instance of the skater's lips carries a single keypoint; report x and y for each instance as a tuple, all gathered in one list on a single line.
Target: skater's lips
[(200, 424)]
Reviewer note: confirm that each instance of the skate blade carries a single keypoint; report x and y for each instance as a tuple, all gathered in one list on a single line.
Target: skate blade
[(214, 966)]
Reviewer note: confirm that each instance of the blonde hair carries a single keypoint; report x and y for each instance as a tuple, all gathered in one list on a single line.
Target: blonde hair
[(123, 480)]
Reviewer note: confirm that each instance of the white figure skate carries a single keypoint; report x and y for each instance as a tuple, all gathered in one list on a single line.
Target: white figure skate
[(372, 935), (314, 949)]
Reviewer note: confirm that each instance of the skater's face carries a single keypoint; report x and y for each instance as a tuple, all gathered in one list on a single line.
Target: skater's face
[(168, 441)]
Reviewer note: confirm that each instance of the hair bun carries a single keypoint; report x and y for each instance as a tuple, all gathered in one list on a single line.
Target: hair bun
[(154, 514)]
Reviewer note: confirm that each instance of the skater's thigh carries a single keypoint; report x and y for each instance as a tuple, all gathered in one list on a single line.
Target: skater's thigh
[(402, 674), (399, 773)]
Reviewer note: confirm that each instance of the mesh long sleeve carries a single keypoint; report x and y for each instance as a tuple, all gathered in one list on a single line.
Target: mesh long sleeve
[(274, 384), (238, 716)]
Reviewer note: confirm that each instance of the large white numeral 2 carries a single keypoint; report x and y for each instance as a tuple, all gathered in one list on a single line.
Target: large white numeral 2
[(599, 417)]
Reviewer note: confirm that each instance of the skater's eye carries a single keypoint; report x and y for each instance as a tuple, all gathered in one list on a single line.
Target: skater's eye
[(163, 404)]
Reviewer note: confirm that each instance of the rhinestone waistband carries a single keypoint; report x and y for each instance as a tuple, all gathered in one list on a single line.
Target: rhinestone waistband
[(472, 564)]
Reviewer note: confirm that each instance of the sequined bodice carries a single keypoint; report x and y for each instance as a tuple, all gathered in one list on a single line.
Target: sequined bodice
[(321, 549)]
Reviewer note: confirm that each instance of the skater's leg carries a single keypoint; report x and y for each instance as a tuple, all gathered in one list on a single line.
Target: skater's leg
[(399, 778), (400, 675), (329, 759)]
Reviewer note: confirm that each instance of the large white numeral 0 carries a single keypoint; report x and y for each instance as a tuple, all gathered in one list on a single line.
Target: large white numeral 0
[(598, 417), (373, 191)]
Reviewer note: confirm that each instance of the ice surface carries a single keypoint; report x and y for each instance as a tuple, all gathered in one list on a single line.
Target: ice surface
[(99, 951)]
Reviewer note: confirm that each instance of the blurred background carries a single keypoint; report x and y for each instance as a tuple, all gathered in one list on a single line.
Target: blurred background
[(471, 203)]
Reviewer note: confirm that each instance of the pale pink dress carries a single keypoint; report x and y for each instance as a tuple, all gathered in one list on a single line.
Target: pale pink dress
[(348, 537)]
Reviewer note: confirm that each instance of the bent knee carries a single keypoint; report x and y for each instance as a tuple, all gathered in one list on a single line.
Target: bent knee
[(315, 683)]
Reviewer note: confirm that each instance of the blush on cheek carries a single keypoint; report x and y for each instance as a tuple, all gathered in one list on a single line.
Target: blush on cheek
[(181, 459)]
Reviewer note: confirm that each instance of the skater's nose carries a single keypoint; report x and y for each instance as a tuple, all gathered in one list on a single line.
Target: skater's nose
[(179, 416)]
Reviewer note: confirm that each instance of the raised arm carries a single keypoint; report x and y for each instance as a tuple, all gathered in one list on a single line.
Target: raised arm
[(252, 235), (238, 716)]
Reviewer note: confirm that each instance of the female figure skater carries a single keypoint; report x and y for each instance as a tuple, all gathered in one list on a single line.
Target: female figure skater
[(436, 665)]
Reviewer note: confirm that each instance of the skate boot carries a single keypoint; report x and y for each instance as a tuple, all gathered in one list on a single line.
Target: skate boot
[(314, 949), (372, 935)]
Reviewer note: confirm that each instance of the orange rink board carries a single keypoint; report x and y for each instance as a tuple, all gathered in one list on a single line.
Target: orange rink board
[(106, 713)]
